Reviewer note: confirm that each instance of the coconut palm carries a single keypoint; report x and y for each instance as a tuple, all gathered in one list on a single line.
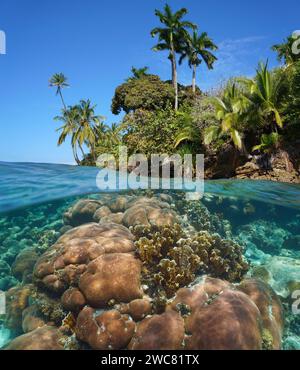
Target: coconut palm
[(197, 48), (114, 134), (69, 118), (59, 81), (170, 37), (87, 125)]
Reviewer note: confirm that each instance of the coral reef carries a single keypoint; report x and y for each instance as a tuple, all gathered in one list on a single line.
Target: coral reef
[(265, 235), (270, 308), (147, 211), (202, 219), (148, 271), (211, 314), (171, 260)]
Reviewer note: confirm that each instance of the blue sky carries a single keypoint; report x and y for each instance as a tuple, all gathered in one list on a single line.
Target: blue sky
[(95, 43)]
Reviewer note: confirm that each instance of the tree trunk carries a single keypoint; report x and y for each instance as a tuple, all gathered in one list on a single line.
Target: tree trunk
[(194, 79), (174, 74), (62, 99), (75, 155), (82, 152)]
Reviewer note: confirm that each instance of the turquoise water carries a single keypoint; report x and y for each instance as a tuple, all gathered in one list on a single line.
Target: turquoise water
[(262, 217)]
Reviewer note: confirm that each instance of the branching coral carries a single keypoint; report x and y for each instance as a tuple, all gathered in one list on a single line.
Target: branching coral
[(171, 260), (221, 258)]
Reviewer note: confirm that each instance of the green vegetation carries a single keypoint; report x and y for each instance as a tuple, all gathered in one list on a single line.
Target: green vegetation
[(250, 115)]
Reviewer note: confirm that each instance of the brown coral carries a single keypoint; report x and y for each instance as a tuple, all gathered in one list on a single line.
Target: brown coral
[(45, 338), (111, 277), (171, 260), (159, 332), (269, 306), (31, 319), (213, 315), (62, 265), (149, 211), (104, 330), (73, 300), (82, 212), (17, 299), (24, 263)]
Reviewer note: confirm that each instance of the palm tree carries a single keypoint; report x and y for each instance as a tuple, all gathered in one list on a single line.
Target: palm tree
[(114, 134), (197, 49), (59, 80), (230, 111), (265, 94), (69, 115), (188, 132), (87, 125), (286, 50), (139, 73), (170, 37), (69, 118)]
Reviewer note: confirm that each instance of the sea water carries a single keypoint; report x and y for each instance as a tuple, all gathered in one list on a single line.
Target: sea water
[(263, 217)]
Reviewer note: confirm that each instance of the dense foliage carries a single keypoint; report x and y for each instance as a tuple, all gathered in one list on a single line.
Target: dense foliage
[(147, 92), (254, 115)]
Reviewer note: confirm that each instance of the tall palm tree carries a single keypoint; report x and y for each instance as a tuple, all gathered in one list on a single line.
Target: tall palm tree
[(170, 37), (286, 52), (197, 49), (87, 124), (59, 81)]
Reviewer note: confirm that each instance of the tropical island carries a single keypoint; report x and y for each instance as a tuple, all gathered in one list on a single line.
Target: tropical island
[(130, 268), (246, 128)]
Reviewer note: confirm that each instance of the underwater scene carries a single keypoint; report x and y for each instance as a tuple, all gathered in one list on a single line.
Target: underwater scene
[(146, 269)]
